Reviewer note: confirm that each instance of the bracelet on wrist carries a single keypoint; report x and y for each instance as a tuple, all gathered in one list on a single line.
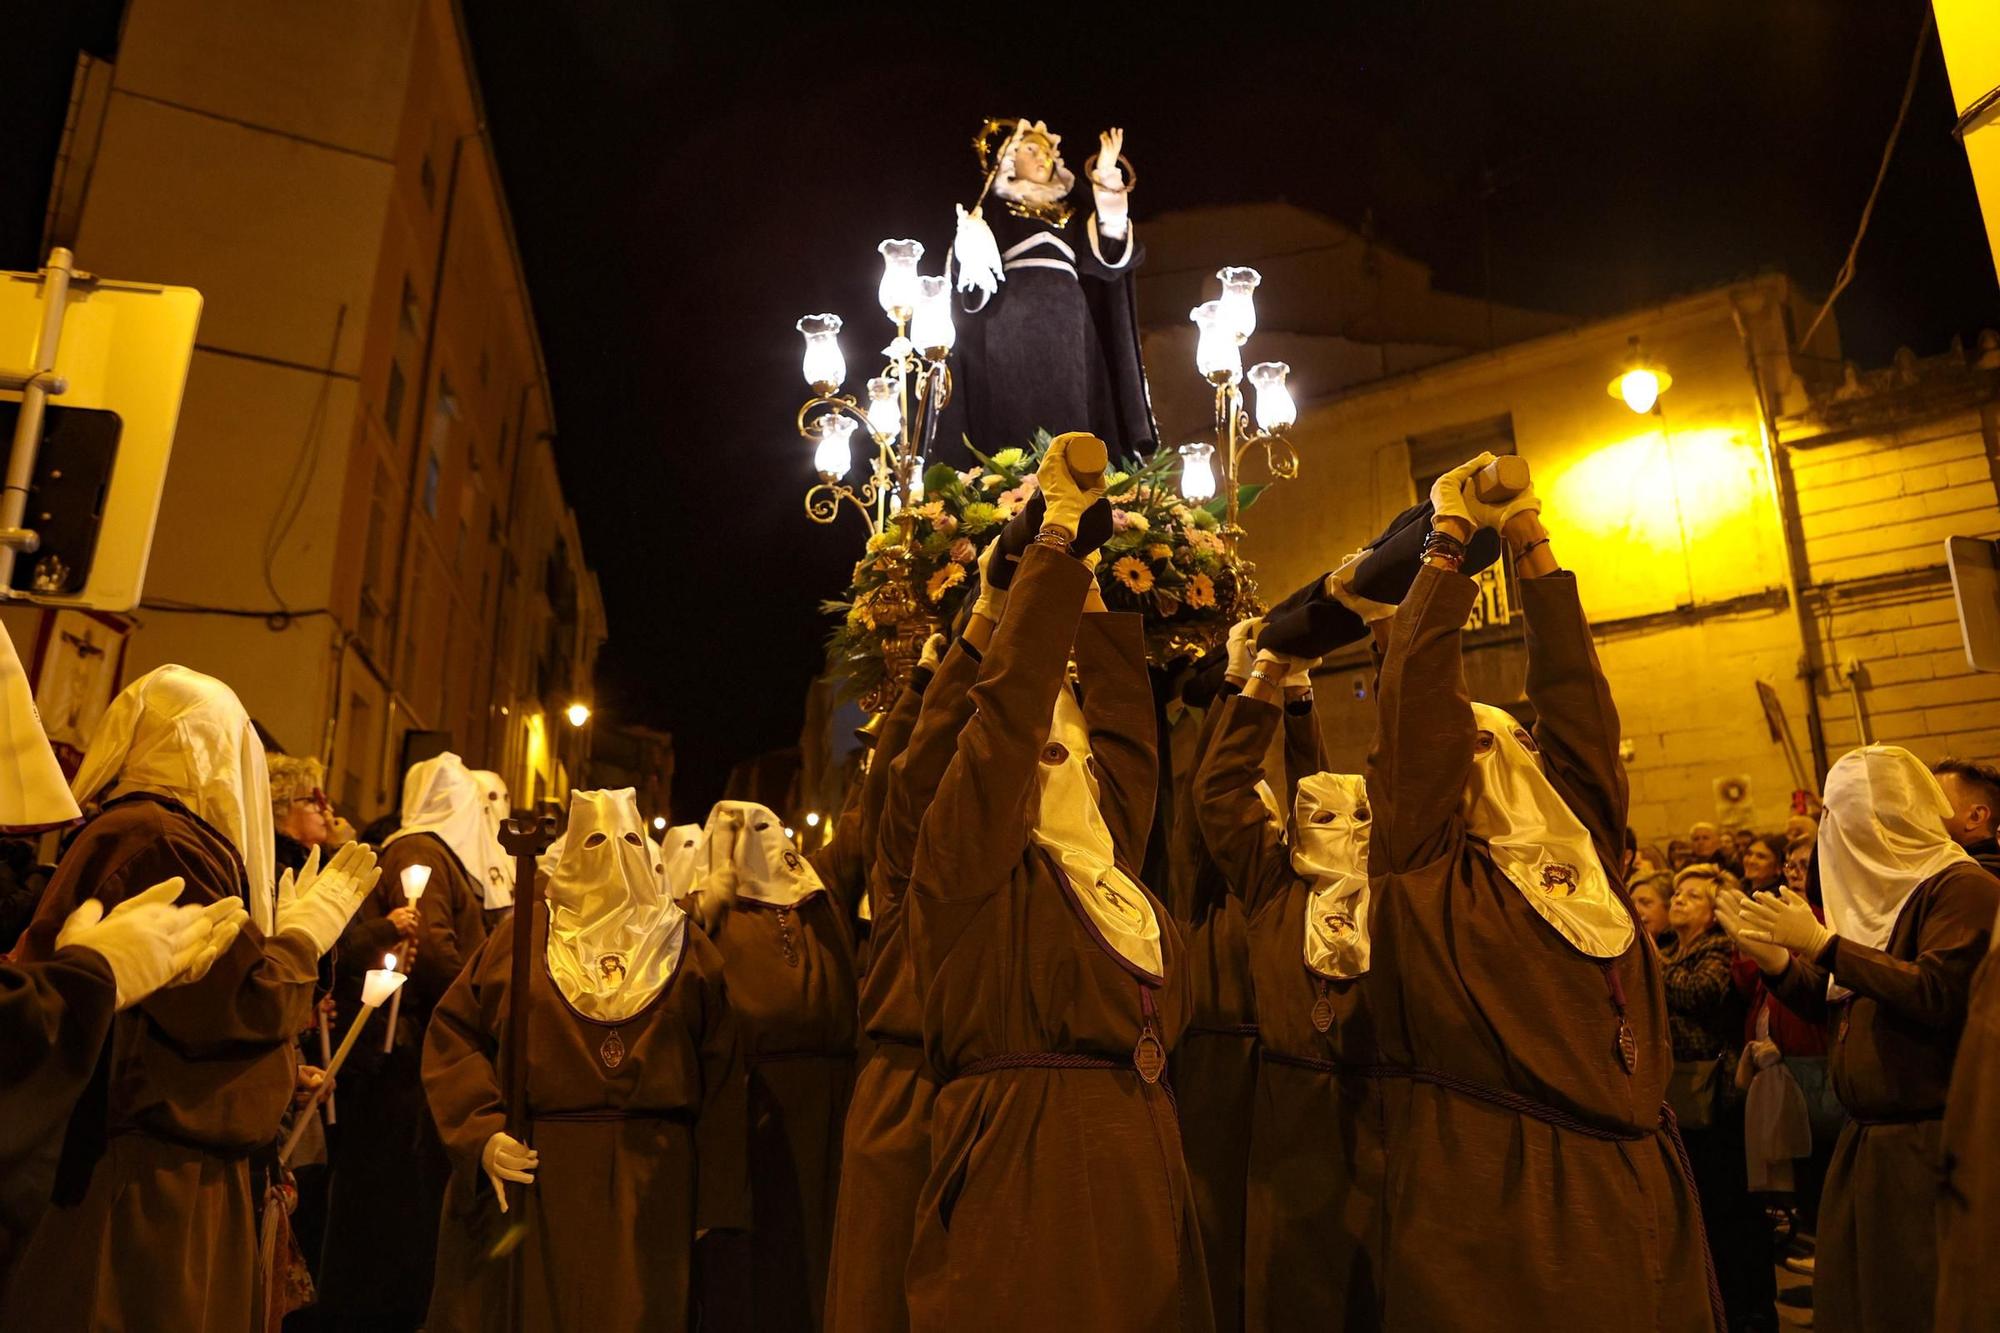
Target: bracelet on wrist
[(1523, 553), (1057, 536), (1444, 549)]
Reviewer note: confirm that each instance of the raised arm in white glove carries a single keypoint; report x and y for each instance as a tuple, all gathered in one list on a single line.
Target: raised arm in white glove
[(506, 1158), (147, 941), (1497, 516), (1065, 496), (1108, 185), (991, 601), (1451, 506), (1242, 649), (1786, 919), (320, 907)]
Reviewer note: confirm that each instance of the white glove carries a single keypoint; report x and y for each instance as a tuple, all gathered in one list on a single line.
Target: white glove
[(506, 1158), (978, 256), (933, 652), (1783, 918), (321, 907), (1065, 496), (1496, 516), (289, 882), (991, 600), (1299, 677), (146, 940), (1340, 586), (1449, 498), (1243, 648), (1769, 958)]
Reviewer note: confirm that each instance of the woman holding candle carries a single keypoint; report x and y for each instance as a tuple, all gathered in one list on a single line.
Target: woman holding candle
[(635, 1107), (790, 964), (151, 1224)]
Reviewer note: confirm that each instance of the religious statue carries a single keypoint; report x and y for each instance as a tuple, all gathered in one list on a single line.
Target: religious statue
[(1049, 335)]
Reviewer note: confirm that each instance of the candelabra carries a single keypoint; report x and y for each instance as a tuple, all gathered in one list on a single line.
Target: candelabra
[(1222, 327), (920, 309)]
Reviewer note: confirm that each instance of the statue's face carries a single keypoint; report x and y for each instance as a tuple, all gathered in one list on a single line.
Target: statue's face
[(1033, 162)]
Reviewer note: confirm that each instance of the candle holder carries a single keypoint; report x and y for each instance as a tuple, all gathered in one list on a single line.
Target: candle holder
[(377, 986), (1222, 327)]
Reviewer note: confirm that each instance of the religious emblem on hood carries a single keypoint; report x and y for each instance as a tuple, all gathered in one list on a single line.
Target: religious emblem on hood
[(1559, 879), (1336, 925), (611, 966), (793, 863), (1128, 911), (612, 1052)]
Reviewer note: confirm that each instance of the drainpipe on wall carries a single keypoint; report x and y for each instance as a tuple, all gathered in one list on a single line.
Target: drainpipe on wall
[(1778, 465)]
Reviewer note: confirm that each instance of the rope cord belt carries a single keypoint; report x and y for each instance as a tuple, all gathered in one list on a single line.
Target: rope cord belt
[(993, 1064), (1234, 1030), (779, 1057)]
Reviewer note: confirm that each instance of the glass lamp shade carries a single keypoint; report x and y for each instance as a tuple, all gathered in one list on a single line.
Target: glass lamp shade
[(1215, 351), (930, 328), (898, 290), (885, 409), (833, 456), (824, 366), (1239, 300), (1197, 471), (416, 878), (917, 483), (1275, 409)]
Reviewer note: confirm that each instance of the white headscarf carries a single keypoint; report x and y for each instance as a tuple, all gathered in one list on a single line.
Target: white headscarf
[(496, 877), (1330, 851), (680, 851), (1539, 842), (441, 797), (744, 851), (33, 794), (614, 938), (1071, 828), (178, 733), (1880, 836)]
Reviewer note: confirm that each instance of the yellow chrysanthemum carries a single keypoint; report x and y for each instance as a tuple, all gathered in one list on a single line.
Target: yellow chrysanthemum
[(1159, 551), (1200, 592), (1133, 573), (947, 576)]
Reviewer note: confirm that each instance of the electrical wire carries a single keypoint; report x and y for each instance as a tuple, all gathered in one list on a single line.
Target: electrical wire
[(298, 486), (1846, 274)]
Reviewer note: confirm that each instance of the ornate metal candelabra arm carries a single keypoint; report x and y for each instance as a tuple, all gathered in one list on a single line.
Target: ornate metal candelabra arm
[(823, 501)]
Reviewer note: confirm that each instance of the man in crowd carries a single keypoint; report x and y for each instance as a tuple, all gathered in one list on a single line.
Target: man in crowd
[(1973, 789)]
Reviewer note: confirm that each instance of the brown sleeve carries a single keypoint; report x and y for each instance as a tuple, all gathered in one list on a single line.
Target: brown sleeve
[(1117, 699), (973, 834), (890, 743), (1951, 943), (1424, 733), (1247, 844), (722, 1128), (53, 1020), (449, 928), (1576, 722), (461, 1064), (1305, 748), (916, 772), (1968, 1211), (841, 863), (258, 993), (1801, 988)]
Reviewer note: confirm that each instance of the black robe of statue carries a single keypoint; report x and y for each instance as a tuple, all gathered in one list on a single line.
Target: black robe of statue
[(1054, 349)]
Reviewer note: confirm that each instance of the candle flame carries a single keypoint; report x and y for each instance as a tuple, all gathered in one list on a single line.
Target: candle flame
[(389, 962)]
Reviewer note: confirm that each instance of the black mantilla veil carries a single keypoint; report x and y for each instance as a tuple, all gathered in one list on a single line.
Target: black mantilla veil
[(1054, 344)]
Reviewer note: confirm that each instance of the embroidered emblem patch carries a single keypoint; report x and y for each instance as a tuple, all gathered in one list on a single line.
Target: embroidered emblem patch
[(1559, 879)]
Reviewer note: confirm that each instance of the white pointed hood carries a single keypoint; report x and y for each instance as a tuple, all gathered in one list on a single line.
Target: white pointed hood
[(1330, 852), (744, 852), (1071, 828), (441, 797), (178, 733), (1881, 834), (496, 877), (1538, 842), (33, 793), (680, 853), (614, 937)]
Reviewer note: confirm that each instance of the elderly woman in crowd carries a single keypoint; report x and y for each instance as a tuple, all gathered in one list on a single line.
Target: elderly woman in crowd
[(1763, 857), (1650, 896), (1908, 918)]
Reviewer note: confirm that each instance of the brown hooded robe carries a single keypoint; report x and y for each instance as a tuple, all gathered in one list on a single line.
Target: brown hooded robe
[(1969, 1204), (1057, 1196)]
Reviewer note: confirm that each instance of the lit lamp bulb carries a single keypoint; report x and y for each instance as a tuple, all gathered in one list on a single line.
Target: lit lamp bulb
[(578, 714), (1239, 301), (1275, 409), (930, 327), (885, 408), (824, 366), (812, 819), (917, 483), (898, 290), (832, 456), (659, 824), (792, 835), (1215, 350), (1198, 471), (1641, 383), (415, 880)]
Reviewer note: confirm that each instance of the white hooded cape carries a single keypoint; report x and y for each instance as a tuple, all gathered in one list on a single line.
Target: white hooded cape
[(680, 852), (178, 733), (1880, 836), (744, 852), (614, 938), (33, 794), (496, 877), (441, 797), (1071, 828), (1539, 843), (1330, 852)]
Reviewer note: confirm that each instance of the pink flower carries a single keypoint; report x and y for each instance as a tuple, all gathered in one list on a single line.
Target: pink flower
[(963, 551), (946, 524)]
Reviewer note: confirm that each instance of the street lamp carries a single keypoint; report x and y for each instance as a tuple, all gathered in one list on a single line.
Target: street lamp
[(578, 714), (920, 309), (1641, 383), (1222, 326)]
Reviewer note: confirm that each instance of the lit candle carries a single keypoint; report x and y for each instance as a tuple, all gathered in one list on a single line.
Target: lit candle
[(377, 986), (394, 993), (415, 880)]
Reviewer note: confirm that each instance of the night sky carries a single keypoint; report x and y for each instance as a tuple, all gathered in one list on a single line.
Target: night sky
[(689, 179)]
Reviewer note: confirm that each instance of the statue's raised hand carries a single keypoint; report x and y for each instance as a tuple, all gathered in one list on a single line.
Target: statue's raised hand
[(1110, 145)]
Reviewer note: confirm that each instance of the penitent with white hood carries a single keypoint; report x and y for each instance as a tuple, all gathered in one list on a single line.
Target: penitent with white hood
[(635, 1091)]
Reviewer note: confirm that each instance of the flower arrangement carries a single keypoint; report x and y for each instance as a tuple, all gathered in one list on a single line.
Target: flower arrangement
[(1165, 559)]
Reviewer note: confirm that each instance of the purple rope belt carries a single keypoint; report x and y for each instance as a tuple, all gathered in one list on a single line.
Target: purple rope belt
[(1233, 1030), (1548, 1115)]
